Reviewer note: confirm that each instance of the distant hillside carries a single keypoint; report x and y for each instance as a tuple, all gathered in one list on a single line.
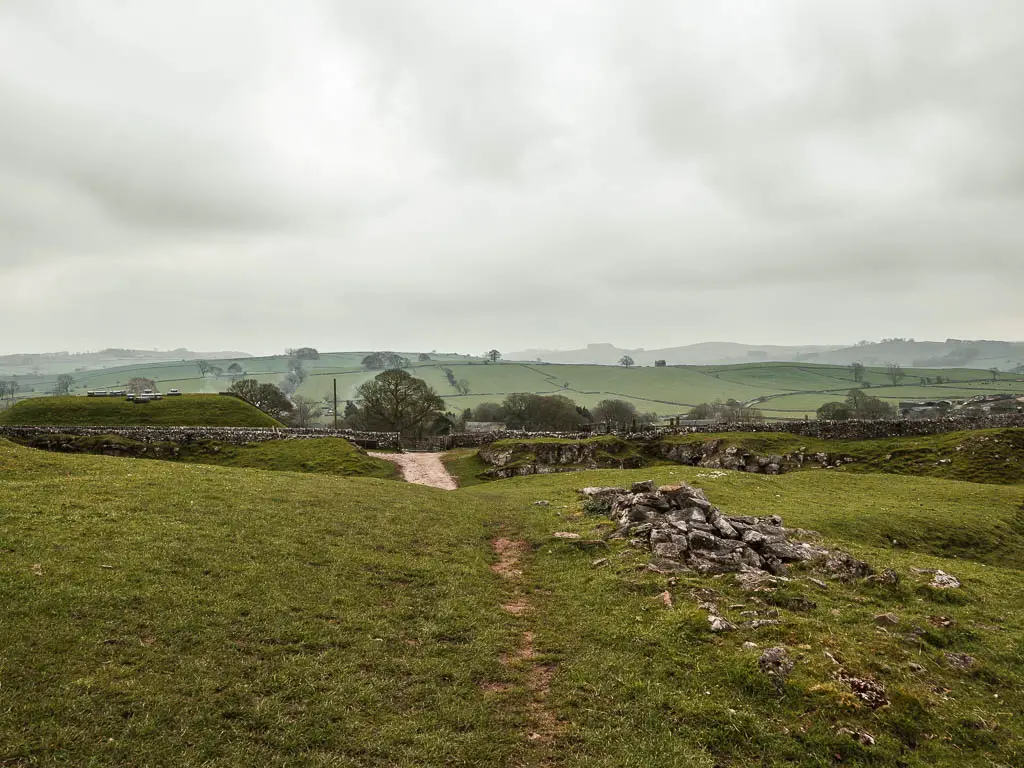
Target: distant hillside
[(66, 362), (706, 353), (952, 353), (185, 411)]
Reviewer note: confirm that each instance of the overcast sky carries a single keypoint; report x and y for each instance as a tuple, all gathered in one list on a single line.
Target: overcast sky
[(460, 175)]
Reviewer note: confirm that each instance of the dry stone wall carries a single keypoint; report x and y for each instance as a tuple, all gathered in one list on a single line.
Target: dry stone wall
[(826, 430), (230, 435)]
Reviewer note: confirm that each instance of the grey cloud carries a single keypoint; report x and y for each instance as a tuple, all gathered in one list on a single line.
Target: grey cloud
[(397, 173)]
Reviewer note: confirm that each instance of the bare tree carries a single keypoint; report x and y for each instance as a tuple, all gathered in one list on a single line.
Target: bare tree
[(139, 384), (895, 372), (493, 355), (858, 372), (626, 361), (203, 366), (235, 371), (304, 412), (63, 385)]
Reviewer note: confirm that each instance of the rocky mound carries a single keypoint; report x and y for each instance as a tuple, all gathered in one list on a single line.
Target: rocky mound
[(684, 531)]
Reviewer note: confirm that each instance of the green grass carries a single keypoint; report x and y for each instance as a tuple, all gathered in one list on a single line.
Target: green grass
[(166, 614), (646, 686), (466, 466), (184, 411), (327, 455)]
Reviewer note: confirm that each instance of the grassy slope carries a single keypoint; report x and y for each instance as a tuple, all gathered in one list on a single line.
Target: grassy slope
[(244, 618), (162, 614), (327, 455), (184, 411)]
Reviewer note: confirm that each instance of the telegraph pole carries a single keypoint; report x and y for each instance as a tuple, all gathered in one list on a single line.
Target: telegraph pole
[(335, 403)]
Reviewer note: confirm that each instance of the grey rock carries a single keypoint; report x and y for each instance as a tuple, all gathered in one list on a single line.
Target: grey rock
[(943, 580), (718, 624), (660, 536), (694, 515), (702, 540), (595, 491), (641, 513), (667, 550), (776, 664), (845, 567), (888, 577), (754, 538), (959, 660), (758, 623), (725, 528), (644, 486)]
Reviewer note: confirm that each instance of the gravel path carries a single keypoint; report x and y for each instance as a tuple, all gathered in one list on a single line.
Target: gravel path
[(421, 468)]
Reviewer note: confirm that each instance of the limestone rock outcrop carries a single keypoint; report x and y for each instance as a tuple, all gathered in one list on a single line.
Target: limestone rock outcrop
[(685, 532)]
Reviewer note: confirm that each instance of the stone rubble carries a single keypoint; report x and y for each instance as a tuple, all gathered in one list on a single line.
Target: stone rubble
[(776, 664), (685, 532)]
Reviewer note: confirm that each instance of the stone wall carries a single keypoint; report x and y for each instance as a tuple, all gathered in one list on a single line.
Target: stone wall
[(231, 435), (828, 430)]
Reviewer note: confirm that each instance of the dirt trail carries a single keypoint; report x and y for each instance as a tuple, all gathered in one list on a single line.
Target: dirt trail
[(421, 468), (544, 726)]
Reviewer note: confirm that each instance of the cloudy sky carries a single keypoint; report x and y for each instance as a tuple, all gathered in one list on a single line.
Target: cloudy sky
[(458, 175)]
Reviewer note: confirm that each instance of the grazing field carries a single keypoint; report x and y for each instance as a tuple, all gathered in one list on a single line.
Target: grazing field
[(168, 614), (780, 390), (184, 411)]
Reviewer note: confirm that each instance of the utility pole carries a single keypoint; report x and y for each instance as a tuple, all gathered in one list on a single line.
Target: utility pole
[(335, 403)]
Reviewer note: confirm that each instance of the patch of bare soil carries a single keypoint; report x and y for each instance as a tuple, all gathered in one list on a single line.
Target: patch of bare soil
[(544, 726), (421, 468)]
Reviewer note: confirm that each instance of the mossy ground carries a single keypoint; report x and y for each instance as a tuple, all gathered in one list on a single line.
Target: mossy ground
[(181, 411), (167, 614)]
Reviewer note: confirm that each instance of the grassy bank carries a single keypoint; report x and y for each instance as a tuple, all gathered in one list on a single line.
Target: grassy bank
[(183, 411)]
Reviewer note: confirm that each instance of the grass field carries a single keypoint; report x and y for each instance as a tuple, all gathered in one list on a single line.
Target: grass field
[(782, 390), (184, 411), (167, 614)]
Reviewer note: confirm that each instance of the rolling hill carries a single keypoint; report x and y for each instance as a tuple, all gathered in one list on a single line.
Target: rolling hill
[(780, 390), (952, 353)]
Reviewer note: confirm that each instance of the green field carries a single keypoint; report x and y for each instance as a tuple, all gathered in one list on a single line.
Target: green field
[(184, 411), (781, 390), (164, 614)]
